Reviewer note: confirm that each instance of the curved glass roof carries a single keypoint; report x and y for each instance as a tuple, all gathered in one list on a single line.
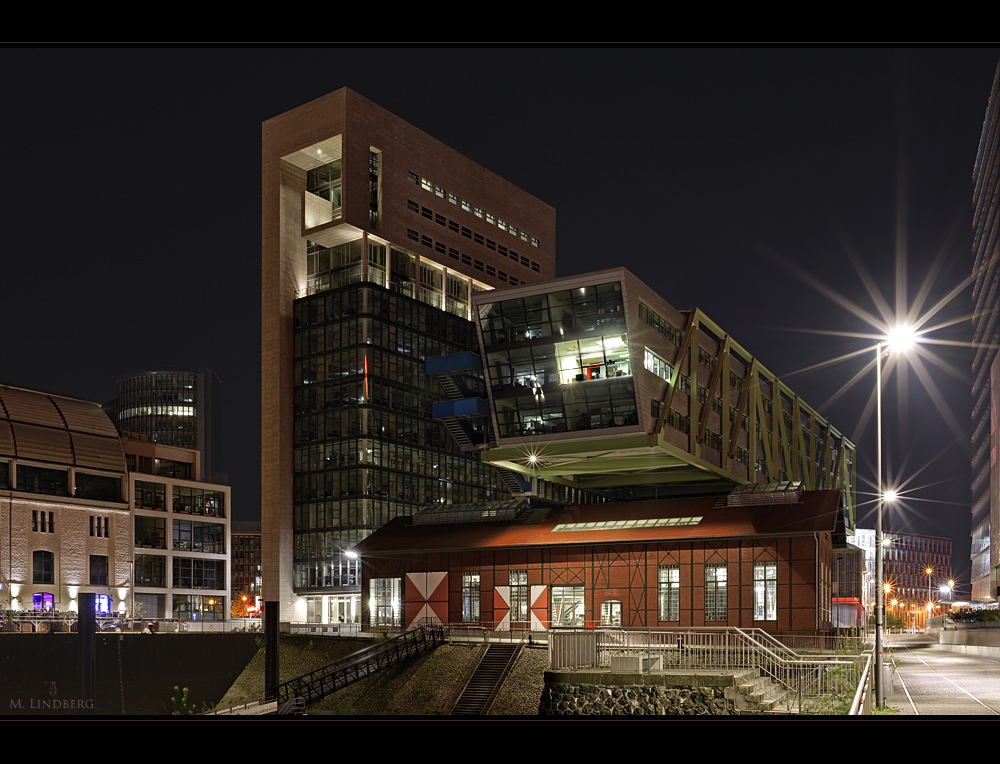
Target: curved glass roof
[(52, 429)]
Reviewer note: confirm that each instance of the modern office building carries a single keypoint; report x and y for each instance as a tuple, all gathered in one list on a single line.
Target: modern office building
[(914, 569), (375, 237), (245, 564), (174, 407), (907, 558), (864, 539), (181, 534), (986, 366), (64, 513)]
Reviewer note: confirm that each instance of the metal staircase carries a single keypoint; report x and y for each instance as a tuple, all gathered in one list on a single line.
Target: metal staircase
[(486, 681), (327, 680), (463, 407)]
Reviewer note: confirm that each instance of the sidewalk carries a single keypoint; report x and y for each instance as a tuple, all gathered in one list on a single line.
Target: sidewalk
[(899, 694)]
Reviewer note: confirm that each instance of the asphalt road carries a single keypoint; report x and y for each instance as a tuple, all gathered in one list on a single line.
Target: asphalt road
[(932, 681)]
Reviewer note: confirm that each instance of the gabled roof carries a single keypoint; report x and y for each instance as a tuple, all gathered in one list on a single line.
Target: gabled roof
[(640, 521)]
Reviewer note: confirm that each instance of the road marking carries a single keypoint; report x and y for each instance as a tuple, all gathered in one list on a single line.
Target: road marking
[(912, 704), (936, 671)]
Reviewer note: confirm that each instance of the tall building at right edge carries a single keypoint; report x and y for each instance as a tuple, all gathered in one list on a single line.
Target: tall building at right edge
[(986, 366)]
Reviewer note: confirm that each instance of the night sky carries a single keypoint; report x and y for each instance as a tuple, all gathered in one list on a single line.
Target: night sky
[(773, 188)]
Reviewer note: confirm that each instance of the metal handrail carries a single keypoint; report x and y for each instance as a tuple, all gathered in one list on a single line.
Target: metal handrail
[(827, 680), (334, 676)]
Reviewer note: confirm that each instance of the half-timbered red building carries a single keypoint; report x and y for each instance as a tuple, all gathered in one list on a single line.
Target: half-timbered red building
[(760, 559)]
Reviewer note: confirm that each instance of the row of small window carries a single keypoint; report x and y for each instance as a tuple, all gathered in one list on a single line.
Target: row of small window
[(468, 233), (43, 567), (54, 481), (454, 254), (427, 185), (765, 592), (659, 323), (568, 605), (45, 522)]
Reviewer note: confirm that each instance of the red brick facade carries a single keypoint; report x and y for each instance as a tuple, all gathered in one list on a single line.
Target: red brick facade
[(625, 573)]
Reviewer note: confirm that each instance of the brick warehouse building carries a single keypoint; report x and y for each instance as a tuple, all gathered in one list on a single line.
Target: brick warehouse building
[(755, 558)]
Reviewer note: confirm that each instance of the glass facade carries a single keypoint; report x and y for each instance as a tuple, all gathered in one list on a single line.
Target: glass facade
[(366, 446), (560, 362), (162, 405)]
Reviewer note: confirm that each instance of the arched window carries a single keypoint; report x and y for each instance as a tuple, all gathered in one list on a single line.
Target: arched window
[(611, 613)]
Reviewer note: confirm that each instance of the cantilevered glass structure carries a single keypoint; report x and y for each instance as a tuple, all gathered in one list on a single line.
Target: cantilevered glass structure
[(595, 381)]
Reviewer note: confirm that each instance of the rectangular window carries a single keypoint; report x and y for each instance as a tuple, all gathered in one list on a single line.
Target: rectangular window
[(670, 592), (765, 591), (54, 482), (199, 574), (199, 501), (150, 495), (384, 595), (99, 487), (150, 532), (98, 570), (150, 570), (568, 607), (657, 365), (519, 595), (470, 597), (43, 567), (192, 536), (200, 607), (716, 606), (42, 601)]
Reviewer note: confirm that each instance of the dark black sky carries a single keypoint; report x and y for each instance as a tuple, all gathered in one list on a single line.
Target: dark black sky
[(724, 178)]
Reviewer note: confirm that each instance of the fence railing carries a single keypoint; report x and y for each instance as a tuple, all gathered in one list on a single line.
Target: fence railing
[(807, 684), (31, 622)]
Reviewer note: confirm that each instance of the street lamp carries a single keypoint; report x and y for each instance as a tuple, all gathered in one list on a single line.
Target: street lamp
[(899, 338), (930, 601)]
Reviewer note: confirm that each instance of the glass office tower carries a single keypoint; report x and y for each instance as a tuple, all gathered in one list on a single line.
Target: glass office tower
[(366, 447)]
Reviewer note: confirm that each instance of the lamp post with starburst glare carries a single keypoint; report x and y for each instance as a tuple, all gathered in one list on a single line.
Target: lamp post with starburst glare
[(899, 340)]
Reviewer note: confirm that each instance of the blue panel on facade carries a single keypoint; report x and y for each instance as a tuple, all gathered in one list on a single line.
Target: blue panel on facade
[(464, 407), (457, 362)]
